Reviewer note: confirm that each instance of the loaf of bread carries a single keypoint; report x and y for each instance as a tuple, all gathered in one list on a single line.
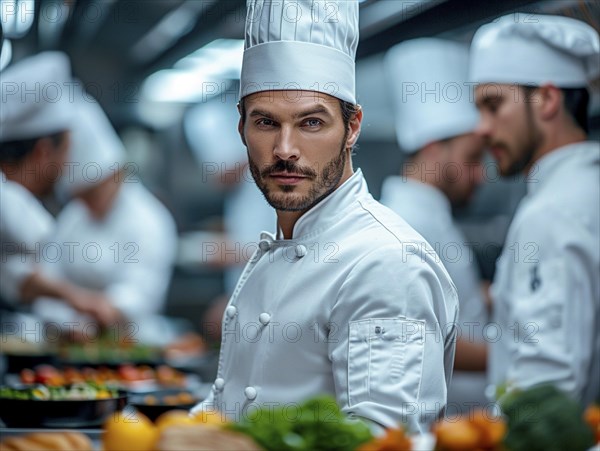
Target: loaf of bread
[(204, 438), (48, 441)]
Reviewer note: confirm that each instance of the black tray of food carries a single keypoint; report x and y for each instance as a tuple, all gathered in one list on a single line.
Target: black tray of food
[(58, 407), (154, 404)]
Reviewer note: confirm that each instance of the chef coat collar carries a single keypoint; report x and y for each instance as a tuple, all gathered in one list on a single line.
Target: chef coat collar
[(329, 211), (546, 166), (415, 192)]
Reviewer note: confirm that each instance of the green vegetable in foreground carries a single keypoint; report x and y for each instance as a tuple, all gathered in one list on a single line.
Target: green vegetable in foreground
[(543, 418), (317, 424)]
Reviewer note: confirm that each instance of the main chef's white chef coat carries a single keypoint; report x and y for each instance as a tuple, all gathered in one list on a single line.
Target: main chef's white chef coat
[(428, 210), (128, 256), (355, 306), (547, 287), (25, 225)]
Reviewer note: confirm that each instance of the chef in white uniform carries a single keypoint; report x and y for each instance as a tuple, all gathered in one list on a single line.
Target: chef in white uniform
[(435, 124), (117, 239), (34, 138), (531, 73), (346, 299)]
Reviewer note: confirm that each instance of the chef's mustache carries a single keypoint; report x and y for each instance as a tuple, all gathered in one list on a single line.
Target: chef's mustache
[(288, 167)]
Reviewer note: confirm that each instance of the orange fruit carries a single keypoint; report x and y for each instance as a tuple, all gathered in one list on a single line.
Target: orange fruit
[(458, 435), (129, 431), (492, 429), (393, 440), (592, 417), (210, 418), (174, 418)]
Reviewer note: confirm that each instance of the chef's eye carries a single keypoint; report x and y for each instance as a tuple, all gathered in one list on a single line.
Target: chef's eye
[(265, 122), (313, 123), (493, 105)]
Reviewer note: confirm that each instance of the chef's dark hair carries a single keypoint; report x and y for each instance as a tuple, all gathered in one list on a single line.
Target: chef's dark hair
[(576, 101), (13, 152)]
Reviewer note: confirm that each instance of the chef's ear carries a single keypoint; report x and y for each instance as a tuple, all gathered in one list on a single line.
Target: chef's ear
[(241, 122), (549, 100), (42, 149), (354, 127)]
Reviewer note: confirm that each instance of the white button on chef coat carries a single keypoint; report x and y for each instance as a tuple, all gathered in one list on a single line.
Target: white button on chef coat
[(25, 228), (372, 271), (219, 383), (547, 279), (264, 318), (264, 245), (300, 250), (250, 393), (429, 211), (231, 311)]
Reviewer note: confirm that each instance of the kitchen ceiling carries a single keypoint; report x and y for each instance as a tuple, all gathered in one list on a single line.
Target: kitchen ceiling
[(116, 44)]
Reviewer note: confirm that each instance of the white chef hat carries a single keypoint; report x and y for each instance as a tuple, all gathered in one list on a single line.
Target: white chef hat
[(431, 96), (35, 97), (301, 45), (5, 53), (96, 151), (534, 49)]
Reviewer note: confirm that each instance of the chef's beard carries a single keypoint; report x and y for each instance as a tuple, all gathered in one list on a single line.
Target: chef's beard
[(526, 152), (324, 183)]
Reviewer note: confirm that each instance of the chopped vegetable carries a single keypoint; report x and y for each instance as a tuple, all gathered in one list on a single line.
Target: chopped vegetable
[(51, 376), (318, 425), (81, 391)]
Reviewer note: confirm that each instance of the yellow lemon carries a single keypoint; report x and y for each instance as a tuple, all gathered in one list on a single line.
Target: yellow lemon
[(129, 431), (174, 418)]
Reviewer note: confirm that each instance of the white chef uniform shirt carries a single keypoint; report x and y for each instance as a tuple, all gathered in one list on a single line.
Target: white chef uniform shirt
[(355, 306), (547, 291)]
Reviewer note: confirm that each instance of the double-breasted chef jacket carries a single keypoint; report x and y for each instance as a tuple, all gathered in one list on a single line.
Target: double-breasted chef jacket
[(547, 287), (355, 306)]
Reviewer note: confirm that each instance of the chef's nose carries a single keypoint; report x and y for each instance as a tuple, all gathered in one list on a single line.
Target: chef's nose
[(484, 127), (286, 147)]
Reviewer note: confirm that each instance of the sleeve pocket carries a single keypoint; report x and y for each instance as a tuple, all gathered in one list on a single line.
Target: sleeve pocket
[(385, 356)]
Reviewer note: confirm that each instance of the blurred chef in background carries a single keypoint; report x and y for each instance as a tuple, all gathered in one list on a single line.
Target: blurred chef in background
[(117, 239), (34, 139), (435, 124), (532, 72)]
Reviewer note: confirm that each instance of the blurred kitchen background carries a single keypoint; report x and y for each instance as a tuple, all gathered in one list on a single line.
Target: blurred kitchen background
[(166, 72)]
